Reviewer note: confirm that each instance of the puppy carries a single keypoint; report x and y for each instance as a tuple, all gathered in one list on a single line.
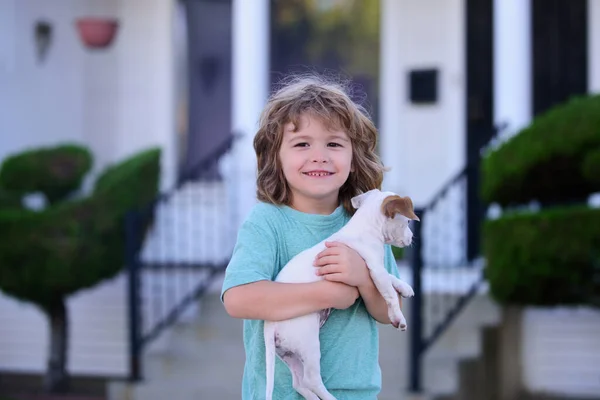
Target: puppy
[(381, 217)]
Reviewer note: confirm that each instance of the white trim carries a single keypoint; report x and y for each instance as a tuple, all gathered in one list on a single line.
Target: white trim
[(512, 63), (594, 46)]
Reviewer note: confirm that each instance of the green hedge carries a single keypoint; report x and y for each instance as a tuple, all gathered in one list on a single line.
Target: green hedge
[(544, 160), (591, 166), (10, 200), (398, 252), (54, 171), (51, 254), (547, 258)]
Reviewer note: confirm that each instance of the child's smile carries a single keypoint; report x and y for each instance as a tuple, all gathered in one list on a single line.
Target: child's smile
[(316, 163)]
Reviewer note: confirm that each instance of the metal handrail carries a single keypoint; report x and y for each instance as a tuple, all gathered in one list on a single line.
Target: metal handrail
[(137, 223)]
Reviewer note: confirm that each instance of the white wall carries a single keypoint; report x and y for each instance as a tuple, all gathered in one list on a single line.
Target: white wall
[(117, 100), (561, 351), (40, 103), (424, 144)]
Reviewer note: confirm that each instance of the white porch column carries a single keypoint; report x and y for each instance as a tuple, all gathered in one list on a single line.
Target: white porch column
[(391, 97), (594, 46), (249, 93), (512, 63)]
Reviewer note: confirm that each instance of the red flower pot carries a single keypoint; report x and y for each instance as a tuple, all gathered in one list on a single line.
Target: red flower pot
[(97, 32)]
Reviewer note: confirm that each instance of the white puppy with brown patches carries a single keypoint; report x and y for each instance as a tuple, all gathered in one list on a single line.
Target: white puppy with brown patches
[(381, 217)]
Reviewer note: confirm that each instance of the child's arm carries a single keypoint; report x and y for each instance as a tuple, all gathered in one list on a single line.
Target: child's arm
[(340, 263), (274, 301), (376, 305)]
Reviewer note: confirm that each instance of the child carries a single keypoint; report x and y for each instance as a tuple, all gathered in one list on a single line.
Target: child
[(315, 150)]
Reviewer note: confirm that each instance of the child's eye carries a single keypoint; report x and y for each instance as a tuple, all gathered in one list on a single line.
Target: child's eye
[(333, 144), (303, 144)]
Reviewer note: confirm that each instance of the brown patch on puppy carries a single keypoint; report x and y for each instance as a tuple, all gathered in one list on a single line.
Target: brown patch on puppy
[(393, 205)]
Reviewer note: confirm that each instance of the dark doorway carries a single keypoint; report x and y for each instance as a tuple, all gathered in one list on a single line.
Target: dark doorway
[(559, 54), (209, 70), (479, 106), (338, 38)]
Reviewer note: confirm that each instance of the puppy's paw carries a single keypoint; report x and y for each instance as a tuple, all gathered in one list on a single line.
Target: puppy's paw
[(405, 290), (397, 320)]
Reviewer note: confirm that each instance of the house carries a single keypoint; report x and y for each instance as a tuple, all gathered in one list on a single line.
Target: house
[(450, 72)]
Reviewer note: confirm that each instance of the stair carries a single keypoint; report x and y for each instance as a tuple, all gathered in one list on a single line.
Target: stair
[(462, 341)]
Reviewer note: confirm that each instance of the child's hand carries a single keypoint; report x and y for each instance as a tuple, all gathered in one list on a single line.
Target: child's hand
[(340, 263), (341, 296)]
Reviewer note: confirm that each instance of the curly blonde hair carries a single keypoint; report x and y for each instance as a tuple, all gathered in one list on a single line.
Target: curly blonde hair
[(329, 101)]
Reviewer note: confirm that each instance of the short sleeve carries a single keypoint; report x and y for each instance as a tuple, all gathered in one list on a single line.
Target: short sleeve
[(254, 257), (390, 262)]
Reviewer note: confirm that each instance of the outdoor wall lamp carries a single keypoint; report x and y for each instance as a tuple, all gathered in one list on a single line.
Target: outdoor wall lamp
[(43, 39)]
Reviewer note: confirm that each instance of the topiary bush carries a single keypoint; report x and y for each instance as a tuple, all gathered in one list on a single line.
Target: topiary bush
[(55, 171), (549, 257), (47, 256), (591, 166), (544, 258), (544, 161)]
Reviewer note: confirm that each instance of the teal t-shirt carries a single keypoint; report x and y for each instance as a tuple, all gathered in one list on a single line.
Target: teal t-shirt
[(267, 240)]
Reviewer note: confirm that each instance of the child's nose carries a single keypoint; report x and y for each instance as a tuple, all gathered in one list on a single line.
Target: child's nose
[(319, 156)]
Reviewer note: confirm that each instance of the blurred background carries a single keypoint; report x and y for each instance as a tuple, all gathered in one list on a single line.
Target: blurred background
[(126, 167)]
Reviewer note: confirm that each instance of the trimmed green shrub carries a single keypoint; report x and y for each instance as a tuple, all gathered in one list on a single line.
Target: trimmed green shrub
[(10, 200), (544, 161), (77, 243), (398, 252), (56, 171), (591, 166), (546, 258), (47, 256)]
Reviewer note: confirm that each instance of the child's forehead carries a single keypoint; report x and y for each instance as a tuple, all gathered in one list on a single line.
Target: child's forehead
[(309, 122)]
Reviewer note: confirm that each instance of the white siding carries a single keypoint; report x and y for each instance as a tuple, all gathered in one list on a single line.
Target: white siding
[(561, 351), (98, 332), (116, 100)]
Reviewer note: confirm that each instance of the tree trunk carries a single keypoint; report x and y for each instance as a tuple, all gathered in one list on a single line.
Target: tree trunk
[(56, 380)]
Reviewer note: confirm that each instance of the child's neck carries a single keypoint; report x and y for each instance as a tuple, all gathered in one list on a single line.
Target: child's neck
[(316, 207)]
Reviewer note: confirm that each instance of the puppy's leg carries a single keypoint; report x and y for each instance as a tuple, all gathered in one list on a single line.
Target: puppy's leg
[(297, 369), (383, 283), (269, 331), (312, 376), (402, 287), (295, 339), (311, 356)]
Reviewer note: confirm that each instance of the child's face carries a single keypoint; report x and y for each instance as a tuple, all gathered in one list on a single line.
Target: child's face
[(316, 163)]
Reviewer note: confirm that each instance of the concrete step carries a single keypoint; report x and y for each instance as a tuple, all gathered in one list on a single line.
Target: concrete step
[(462, 341)]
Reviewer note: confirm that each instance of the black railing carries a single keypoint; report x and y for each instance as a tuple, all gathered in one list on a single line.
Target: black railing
[(175, 247), (447, 269)]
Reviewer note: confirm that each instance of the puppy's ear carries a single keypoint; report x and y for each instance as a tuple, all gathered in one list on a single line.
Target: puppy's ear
[(358, 201), (393, 205)]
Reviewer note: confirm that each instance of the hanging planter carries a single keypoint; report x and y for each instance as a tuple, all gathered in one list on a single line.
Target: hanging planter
[(97, 33)]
